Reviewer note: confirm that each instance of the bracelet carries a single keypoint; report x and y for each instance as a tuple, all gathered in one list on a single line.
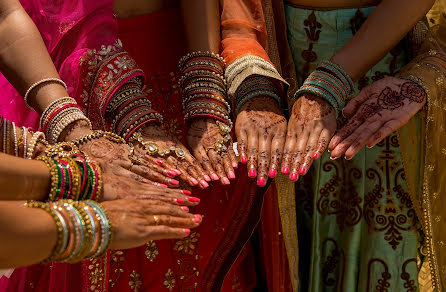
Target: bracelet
[(99, 134), (46, 80), (33, 143), (16, 147)]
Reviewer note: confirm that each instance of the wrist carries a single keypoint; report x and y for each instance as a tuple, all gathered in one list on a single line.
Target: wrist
[(75, 130)]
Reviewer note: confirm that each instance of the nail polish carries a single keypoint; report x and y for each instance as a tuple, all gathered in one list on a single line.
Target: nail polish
[(159, 161), (207, 178), (302, 170), (203, 183), (234, 164), (187, 231), (193, 199), (315, 156), (177, 171), (293, 176), (185, 208), (193, 181), (197, 218), (252, 173), (163, 185), (285, 170), (171, 173), (186, 192), (214, 176), (174, 182), (272, 173), (231, 175), (226, 181), (243, 159), (261, 182), (179, 201)]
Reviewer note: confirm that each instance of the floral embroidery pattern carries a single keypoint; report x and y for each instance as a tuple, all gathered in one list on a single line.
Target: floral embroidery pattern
[(116, 256), (96, 275), (151, 251), (135, 281), (188, 244), (169, 280)]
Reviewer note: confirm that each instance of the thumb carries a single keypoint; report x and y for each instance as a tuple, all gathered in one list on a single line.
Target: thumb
[(354, 104)]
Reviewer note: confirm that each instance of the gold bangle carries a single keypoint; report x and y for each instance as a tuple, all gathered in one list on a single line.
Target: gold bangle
[(54, 176)]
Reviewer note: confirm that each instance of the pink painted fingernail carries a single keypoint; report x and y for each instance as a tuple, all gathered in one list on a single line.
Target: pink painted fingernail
[(204, 183), (163, 185), (252, 173), (177, 171), (179, 201), (186, 192), (185, 208), (193, 199), (197, 218), (174, 182), (226, 181), (243, 159), (285, 170), (302, 170), (315, 155), (159, 161), (207, 178), (293, 176), (272, 173), (235, 164), (171, 173), (187, 231), (231, 175), (261, 182), (193, 181), (214, 176)]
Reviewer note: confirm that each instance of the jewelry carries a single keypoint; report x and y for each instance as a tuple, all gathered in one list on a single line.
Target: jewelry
[(25, 137), (46, 80), (16, 147), (156, 219), (99, 134), (33, 143), (153, 148), (61, 150)]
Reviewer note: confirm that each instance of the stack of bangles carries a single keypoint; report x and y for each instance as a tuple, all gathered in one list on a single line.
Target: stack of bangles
[(130, 109), (255, 86), (58, 115), (83, 230), (330, 82), (203, 87)]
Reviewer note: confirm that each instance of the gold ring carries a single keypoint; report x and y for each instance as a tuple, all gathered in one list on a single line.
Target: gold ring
[(156, 219)]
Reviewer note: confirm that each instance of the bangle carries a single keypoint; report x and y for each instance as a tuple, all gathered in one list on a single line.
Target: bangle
[(16, 147), (33, 143), (46, 80), (54, 176), (106, 228), (99, 134)]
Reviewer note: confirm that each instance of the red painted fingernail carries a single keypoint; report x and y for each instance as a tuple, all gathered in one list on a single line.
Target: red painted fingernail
[(315, 155), (293, 176), (235, 164), (207, 178), (285, 170), (302, 170), (187, 231), (186, 192), (177, 171), (226, 181), (174, 182), (171, 173), (243, 159), (231, 175), (214, 176), (204, 183), (159, 161), (163, 185), (185, 208), (179, 201), (252, 173), (197, 218), (261, 182), (193, 181), (193, 199), (272, 173)]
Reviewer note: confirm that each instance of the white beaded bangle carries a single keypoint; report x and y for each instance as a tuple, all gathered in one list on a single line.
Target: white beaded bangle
[(16, 147), (57, 80), (32, 144), (4, 134), (25, 134)]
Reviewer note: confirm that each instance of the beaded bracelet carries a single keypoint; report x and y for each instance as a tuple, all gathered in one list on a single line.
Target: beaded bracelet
[(99, 134), (46, 80)]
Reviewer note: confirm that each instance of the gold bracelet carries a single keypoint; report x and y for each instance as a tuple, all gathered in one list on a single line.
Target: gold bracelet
[(54, 177), (99, 134)]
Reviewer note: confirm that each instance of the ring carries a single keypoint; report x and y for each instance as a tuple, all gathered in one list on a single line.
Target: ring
[(130, 167), (156, 219)]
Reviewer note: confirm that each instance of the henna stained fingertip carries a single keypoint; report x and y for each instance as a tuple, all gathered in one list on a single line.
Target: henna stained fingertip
[(185, 208), (174, 182), (207, 178), (214, 177)]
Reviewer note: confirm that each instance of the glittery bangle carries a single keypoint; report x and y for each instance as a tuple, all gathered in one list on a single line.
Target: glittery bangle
[(107, 227), (32, 144), (46, 80)]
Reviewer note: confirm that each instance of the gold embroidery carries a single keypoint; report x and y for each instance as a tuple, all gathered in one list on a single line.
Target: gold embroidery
[(116, 256), (187, 245), (151, 251), (135, 281), (96, 274), (169, 280)]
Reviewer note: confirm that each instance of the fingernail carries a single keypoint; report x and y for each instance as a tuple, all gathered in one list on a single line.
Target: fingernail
[(193, 199), (197, 218), (243, 159), (177, 171), (171, 173), (347, 158), (315, 155), (252, 173), (179, 201), (302, 170), (193, 181), (231, 175), (187, 231), (272, 173), (204, 183), (226, 181), (159, 161), (163, 185), (293, 176), (261, 182), (207, 178), (285, 170), (186, 192), (185, 208), (333, 158), (174, 182), (235, 164), (214, 176)]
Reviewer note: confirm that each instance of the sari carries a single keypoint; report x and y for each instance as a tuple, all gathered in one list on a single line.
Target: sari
[(82, 38)]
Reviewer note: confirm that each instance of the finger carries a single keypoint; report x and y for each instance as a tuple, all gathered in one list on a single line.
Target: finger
[(253, 151), (206, 162), (160, 165), (346, 131), (264, 159), (242, 142), (365, 132), (290, 143), (185, 176), (164, 232), (228, 165), (148, 208), (179, 197), (386, 130), (174, 221), (217, 164), (152, 175), (322, 144), (310, 149), (232, 155), (298, 155), (136, 177), (276, 154), (354, 104), (194, 168)]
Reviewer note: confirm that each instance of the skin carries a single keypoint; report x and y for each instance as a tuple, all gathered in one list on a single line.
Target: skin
[(387, 14), (378, 110)]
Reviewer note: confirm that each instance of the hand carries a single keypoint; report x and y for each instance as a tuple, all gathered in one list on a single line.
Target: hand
[(202, 135), (377, 111), (136, 222), (189, 169), (311, 125), (260, 128)]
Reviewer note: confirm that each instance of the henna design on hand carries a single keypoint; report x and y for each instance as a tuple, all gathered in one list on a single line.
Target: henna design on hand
[(264, 113), (101, 148)]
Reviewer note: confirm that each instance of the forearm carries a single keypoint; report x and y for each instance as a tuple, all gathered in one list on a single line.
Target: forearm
[(28, 235), (387, 25)]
